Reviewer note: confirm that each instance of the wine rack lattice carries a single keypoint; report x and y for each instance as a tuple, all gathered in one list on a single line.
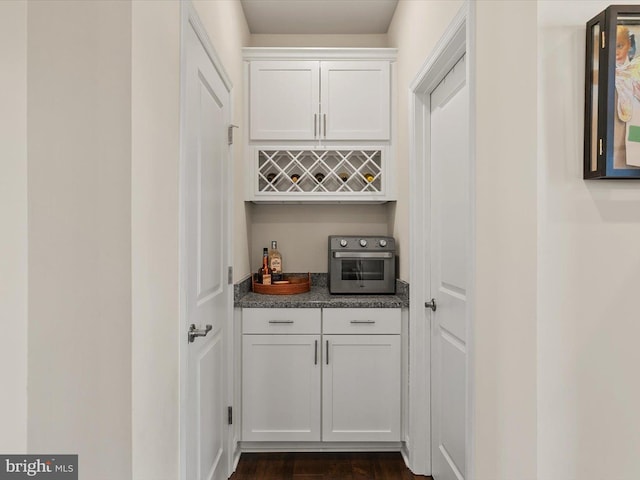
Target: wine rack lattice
[(319, 171)]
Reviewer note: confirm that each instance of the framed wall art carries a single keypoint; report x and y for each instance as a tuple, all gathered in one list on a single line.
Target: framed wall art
[(612, 94)]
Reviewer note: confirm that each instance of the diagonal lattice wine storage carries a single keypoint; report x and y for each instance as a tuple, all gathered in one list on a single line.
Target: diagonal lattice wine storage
[(319, 171)]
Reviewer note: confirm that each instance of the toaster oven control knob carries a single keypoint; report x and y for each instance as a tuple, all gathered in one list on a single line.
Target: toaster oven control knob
[(383, 242), (343, 243), (363, 242)]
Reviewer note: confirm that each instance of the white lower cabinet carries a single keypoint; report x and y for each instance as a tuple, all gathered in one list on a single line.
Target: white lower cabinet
[(361, 388), (280, 388), (281, 367), (335, 379)]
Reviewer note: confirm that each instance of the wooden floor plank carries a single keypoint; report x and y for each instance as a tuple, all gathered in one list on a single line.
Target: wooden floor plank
[(362, 466), (324, 466), (339, 467), (306, 463)]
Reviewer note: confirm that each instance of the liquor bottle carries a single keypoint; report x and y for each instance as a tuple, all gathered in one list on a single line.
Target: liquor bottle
[(295, 177), (344, 176), (319, 177), (259, 274), (270, 177), (275, 262), (264, 274), (369, 177)]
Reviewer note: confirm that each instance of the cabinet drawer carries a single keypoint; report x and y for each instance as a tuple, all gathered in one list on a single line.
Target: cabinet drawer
[(281, 320), (361, 320)]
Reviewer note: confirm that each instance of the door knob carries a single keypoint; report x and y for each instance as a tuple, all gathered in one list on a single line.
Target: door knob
[(194, 332), (431, 304)]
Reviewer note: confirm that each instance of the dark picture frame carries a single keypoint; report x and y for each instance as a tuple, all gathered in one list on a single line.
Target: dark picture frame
[(612, 94)]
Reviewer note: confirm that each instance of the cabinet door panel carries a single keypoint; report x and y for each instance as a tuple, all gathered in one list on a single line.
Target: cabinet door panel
[(281, 388), (283, 100), (361, 388), (356, 100)]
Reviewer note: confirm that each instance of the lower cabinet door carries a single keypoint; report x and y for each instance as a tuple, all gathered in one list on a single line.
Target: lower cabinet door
[(281, 387), (361, 388)]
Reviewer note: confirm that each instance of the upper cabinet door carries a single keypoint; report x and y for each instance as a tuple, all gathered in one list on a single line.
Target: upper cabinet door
[(355, 100), (284, 99)]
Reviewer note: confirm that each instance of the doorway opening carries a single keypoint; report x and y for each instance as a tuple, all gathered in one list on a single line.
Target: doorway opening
[(442, 169)]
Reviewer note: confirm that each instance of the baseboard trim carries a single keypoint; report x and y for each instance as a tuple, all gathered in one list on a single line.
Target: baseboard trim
[(265, 447), (405, 456), (236, 458)]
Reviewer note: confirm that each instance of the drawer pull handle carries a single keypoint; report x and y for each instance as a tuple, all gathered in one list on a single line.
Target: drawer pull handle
[(363, 321), (315, 355), (280, 321)]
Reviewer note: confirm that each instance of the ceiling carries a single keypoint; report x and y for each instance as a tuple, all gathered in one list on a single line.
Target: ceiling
[(319, 16)]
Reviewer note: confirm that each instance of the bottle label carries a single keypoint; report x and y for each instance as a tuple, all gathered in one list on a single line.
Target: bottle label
[(276, 265), (266, 279)]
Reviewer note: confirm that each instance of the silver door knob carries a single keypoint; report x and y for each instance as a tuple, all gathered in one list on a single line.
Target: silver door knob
[(194, 332), (431, 304)]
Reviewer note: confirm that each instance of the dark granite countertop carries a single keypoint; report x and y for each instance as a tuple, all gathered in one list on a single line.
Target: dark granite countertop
[(319, 297)]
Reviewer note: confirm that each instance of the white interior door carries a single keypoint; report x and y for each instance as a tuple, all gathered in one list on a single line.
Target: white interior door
[(449, 267), (206, 255)]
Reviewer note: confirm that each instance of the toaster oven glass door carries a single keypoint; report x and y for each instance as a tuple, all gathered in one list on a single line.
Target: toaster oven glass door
[(362, 272), (359, 269)]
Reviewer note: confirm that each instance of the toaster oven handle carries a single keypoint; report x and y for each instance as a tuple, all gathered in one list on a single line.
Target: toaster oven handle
[(362, 255)]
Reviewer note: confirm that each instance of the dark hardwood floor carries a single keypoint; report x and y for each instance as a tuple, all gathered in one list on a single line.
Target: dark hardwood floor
[(323, 466)]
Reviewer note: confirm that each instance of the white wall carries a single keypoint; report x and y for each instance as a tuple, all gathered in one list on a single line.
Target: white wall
[(155, 149), (79, 147), (302, 230), (589, 272), (504, 337), (355, 40), (13, 225), (416, 27)]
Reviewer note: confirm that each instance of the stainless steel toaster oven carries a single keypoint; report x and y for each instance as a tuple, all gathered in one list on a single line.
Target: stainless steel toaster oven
[(362, 264)]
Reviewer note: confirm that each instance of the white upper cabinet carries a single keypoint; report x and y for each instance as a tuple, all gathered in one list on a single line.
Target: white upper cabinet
[(283, 100), (319, 124), (355, 100), (319, 94)]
